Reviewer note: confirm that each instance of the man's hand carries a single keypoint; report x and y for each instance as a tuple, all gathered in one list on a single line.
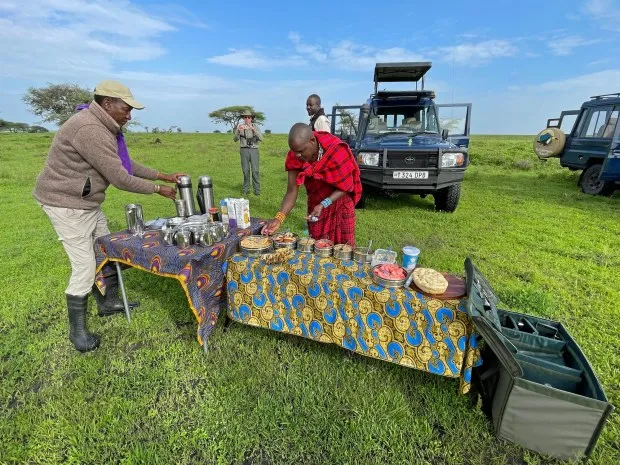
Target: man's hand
[(171, 178), (271, 227), (316, 212), (168, 192)]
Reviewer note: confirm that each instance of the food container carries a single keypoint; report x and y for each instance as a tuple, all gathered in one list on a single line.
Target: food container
[(285, 240), (305, 244), (388, 282), (343, 251), (410, 257), (324, 247), (383, 256), (362, 254), (255, 246)]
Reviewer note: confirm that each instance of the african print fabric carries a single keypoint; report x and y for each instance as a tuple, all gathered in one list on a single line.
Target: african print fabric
[(336, 301), (198, 268)]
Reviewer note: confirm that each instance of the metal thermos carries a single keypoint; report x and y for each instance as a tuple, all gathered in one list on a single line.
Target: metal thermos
[(204, 194), (135, 220), (185, 191)]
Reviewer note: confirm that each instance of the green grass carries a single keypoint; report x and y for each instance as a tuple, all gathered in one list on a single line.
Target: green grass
[(149, 394)]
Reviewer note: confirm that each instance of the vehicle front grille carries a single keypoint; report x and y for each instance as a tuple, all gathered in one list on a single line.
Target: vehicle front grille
[(410, 160)]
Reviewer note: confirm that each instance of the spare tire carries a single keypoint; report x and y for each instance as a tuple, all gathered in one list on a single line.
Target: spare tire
[(549, 143)]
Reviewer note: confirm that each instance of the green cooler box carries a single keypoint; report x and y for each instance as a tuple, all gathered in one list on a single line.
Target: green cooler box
[(536, 385)]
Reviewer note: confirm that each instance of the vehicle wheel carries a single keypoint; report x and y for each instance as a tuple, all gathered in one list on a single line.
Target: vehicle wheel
[(591, 184), (361, 204), (447, 199), (549, 143)]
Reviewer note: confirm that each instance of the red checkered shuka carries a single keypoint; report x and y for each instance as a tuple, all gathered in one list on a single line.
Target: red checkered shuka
[(337, 169)]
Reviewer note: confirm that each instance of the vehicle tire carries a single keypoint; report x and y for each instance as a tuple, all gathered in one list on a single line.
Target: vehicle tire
[(549, 143), (447, 199), (592, 185)]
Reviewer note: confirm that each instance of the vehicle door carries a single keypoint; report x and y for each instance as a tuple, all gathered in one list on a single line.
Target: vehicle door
[(456, 118), (591, 139), (611, 166), (345, 120)]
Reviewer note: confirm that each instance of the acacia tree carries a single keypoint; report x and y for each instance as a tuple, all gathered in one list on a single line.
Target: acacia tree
[(56, 102), (231, 116)]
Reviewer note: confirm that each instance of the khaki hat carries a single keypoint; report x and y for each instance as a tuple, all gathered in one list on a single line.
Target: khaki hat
[(247, 113), (118, 90)]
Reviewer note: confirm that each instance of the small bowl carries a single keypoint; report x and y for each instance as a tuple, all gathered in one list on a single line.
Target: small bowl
[(305, 244), (343, 251), (362, 254), (324, 247), (285, 240), (253, 251)]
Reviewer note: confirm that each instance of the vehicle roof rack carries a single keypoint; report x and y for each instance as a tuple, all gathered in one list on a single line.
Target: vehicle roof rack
[(598, 97)]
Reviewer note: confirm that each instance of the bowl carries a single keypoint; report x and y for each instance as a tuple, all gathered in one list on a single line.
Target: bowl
[(386, 281), (285, 240), (362, 254), (305, 244), (343, 251), (256, 245), (324, 247)]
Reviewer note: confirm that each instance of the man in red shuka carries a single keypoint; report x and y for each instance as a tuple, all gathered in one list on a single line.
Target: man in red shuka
[(326, 166)]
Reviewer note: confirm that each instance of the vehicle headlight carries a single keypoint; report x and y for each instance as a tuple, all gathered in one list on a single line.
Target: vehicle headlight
[(450, 160), (368, 158)]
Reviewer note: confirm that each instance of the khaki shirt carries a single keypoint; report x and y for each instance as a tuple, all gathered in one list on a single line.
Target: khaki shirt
[(248, 138), (321, 124)]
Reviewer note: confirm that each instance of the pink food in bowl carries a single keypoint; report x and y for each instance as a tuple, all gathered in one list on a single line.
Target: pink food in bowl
[(390, 271)]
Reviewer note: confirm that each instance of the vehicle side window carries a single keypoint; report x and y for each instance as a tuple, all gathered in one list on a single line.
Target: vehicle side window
[(599, 122)]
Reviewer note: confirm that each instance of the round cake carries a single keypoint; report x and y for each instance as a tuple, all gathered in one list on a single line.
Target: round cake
[(430, 281)]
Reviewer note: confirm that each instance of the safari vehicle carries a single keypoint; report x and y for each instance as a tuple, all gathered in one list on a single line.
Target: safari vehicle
[(587, 139), (403, 142)]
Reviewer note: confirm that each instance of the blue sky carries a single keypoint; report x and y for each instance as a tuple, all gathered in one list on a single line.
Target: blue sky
[(518, 63)]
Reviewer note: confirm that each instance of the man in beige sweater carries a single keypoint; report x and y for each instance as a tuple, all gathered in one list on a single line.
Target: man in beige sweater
[(88, 154)]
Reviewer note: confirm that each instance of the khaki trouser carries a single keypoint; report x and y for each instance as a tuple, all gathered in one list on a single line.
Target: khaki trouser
[(249, 159), (77, 230)]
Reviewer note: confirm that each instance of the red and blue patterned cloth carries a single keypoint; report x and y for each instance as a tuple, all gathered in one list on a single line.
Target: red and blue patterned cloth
[(198, 269)]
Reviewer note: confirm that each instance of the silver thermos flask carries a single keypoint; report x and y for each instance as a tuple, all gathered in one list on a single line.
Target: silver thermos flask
[(204, 194), (185, 191)]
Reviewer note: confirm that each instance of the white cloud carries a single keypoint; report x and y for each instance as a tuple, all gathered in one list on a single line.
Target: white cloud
[(606, 12), (252, 59), (476, 54), (563, 46)]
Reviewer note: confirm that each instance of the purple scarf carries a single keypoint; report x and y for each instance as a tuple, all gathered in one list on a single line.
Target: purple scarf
[(123, 153)]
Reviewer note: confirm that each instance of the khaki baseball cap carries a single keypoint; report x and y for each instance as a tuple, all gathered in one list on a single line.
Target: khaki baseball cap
[(118, 90)]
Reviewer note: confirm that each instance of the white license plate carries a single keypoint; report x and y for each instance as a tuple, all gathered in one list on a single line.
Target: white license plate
[(410, 174)]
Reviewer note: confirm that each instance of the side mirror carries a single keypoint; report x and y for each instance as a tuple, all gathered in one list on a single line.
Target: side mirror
[(444, 134)]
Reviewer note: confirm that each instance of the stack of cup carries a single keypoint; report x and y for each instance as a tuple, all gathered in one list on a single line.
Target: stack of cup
[(410, 257)]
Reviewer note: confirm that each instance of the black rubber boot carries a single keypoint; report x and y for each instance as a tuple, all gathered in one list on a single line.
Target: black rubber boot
[(111, 303), (78, 334)]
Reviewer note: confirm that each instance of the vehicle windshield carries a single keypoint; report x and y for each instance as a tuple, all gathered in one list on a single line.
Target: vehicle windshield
[(402, 120)]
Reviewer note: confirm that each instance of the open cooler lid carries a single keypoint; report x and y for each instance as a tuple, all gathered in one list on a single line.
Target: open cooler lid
[(482, 308)]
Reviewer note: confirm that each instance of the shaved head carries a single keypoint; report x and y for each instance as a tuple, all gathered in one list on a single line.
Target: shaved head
[(299, 134), (301, 140)]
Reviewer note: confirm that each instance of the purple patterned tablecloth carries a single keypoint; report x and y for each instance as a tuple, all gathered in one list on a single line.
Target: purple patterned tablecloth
[(198, 269)]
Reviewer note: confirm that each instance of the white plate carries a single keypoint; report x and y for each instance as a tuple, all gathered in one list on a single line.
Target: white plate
[(410, 174)]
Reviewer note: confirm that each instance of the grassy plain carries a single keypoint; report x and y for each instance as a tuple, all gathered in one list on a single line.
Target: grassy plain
[(149, 395)]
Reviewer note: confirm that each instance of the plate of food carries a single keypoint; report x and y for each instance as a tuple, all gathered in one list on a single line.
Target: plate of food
[(442, 286)]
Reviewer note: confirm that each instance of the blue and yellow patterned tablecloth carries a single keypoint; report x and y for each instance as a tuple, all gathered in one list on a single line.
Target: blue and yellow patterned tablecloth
[(198, 269), (335, 301)]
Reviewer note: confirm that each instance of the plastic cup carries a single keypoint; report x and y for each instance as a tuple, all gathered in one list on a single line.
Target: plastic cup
[(410, 257)]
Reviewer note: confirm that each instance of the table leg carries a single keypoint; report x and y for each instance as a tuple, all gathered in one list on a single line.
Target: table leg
[(204, 346), (123, 293)]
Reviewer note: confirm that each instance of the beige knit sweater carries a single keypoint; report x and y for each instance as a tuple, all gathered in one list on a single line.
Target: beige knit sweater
[(85, 149)]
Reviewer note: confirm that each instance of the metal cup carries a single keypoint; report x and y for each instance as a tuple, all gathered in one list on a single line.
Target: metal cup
[(167, 236), (181, 208), (135, 220), (183, 238)]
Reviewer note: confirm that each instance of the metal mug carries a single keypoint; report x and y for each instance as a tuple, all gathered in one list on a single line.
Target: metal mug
[(167, 236), (183, 238), (204, 237), (135, 220), (181, 208)]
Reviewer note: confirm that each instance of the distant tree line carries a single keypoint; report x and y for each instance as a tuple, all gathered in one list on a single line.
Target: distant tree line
[(10, 126)]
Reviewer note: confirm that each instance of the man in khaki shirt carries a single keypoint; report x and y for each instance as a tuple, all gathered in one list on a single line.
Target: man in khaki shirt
[(318, 120), (249, 136), (88, 154)]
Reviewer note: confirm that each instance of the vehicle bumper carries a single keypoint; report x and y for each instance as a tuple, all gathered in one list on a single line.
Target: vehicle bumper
[(437, 179)]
